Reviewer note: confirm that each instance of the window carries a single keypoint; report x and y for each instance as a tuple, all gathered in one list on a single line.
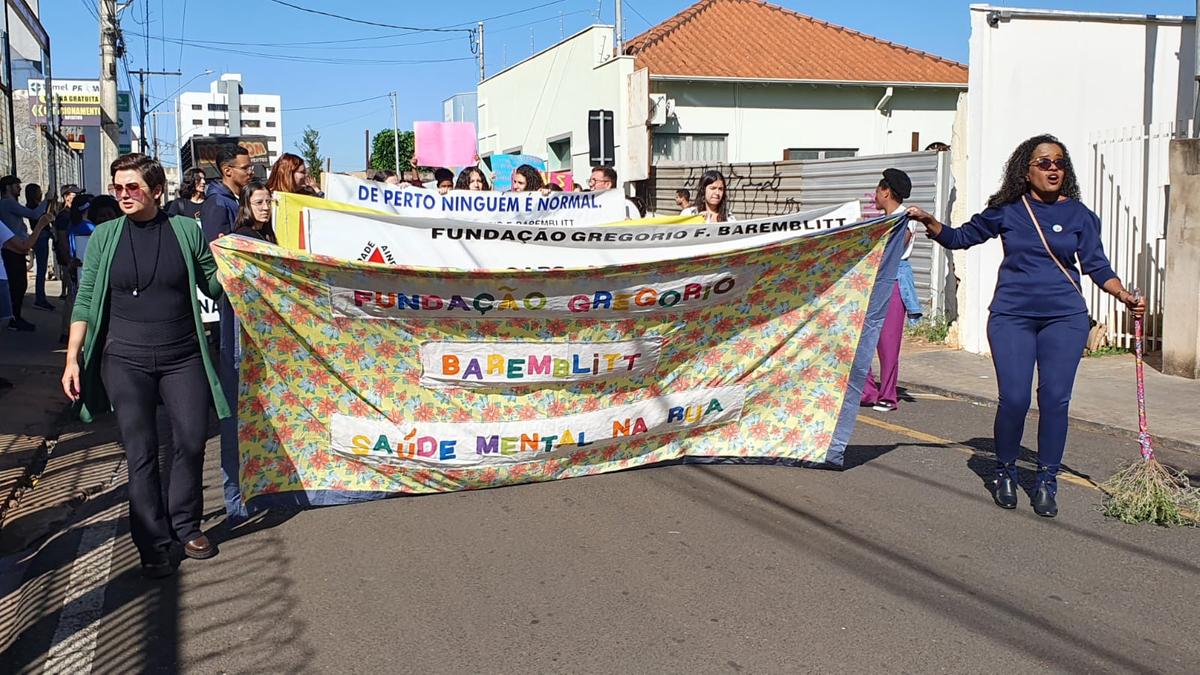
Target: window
[(689, 148), (197, 122), (253, 124), (270, 123), (216, 123), (271, 108), (559, 158), (819, 153), (218, 106), (250, 108), (197, 106)]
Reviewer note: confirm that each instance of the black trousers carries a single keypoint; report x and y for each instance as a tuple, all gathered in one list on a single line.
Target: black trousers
[(17, 268), (162, 508)]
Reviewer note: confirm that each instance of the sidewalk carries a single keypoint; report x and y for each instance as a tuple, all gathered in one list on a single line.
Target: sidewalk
[(1104, 399), (50, 464)]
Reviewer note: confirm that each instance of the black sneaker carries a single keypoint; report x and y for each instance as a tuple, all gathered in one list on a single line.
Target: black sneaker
[(21, 325), (43, 304)]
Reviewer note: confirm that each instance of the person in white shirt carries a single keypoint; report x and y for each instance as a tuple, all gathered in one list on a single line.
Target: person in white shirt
[(683, 199), (889, 198)]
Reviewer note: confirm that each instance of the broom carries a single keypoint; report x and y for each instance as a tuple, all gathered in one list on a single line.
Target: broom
[(1145, 491)]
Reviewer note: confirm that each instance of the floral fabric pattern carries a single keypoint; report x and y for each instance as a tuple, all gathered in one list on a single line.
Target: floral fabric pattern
[(791, 340)]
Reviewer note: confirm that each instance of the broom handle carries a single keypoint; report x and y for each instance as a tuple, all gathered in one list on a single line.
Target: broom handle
[(1143, 427)]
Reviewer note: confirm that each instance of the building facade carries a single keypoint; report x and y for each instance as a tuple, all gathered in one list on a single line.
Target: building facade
[(1120, 94), (723, 81), (227, 110)]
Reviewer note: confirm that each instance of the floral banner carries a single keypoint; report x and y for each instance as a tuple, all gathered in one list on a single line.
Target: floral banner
[(361, 380)]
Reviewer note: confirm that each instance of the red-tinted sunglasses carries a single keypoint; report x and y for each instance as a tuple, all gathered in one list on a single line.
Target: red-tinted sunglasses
[(134, 190)]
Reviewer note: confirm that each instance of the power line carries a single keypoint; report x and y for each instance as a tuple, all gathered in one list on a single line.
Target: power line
[(452, 28), (365, 22), (335, 105), (635, 11), (91, 9)]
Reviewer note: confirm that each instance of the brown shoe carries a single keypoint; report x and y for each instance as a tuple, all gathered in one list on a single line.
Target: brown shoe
[(200, 548)]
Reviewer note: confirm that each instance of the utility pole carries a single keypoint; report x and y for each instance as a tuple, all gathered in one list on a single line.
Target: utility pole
[(143, 102), (621, 30), (367, 150), (483, 72), (108, 83), (396, 137)]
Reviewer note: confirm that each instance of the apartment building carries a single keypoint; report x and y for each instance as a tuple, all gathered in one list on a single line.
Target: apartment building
[(227, 110)]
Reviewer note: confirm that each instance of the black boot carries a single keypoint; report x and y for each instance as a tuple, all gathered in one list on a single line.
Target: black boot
[(1043, 500), (1005, 491)]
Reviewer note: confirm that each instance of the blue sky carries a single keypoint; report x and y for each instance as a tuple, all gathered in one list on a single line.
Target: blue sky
[(428, 67)]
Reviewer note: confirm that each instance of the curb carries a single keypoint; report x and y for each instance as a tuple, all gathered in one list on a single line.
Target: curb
[(37, 462), (1078, 422)]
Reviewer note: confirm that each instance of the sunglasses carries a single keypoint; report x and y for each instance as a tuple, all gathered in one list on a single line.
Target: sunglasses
[(134, 190), (1045, 163)]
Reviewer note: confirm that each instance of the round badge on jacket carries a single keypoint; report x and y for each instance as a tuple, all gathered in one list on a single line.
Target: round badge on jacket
[(1057, 228)]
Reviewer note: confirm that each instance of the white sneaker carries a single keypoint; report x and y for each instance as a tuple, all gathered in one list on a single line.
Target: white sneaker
[(883, 407)]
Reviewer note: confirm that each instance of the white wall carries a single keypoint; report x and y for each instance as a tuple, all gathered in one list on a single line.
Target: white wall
[(1069, 74), (548, 96), (762, 120)]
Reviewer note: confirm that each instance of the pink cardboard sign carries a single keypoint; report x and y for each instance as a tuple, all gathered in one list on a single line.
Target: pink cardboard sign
[(448, 144)]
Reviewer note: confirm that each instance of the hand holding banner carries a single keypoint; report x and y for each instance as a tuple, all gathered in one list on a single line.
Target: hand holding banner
[(445, 144)]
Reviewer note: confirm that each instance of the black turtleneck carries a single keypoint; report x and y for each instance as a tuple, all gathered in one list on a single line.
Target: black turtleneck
[(148, 260)]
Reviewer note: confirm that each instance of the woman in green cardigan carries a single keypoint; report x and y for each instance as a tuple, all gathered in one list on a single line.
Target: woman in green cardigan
[(136, 324)]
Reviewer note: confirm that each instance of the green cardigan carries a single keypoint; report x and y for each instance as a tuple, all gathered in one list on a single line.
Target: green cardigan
[(91, 305)]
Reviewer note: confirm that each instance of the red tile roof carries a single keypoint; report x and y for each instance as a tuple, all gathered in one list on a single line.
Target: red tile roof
[(755, 39)]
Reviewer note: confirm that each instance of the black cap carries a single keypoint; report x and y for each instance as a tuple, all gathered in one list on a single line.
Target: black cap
[(82, 202), (899, 183), (68, 189)]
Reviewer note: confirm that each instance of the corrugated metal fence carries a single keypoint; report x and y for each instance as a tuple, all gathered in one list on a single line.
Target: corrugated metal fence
[(762, 189)]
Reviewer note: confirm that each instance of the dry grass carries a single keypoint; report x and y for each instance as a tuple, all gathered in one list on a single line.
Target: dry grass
[(1148, 492)]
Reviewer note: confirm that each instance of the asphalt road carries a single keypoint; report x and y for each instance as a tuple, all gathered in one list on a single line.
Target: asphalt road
[(900, 563)]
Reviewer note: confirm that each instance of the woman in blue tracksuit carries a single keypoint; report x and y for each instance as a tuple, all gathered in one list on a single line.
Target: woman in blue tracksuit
[(1038, 315)]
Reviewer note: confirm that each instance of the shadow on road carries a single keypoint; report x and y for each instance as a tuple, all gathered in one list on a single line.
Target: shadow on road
[(985, 611)]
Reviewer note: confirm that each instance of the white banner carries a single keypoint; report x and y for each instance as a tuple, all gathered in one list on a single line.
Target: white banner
[(533, 298), (515, 364), (450, 444), (428, 242), (558, 209)]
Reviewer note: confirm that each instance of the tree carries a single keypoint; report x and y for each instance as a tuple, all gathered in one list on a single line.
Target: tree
[(310, 149), (383, 148)]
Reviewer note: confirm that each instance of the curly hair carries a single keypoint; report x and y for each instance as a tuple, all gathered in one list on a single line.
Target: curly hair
[(533, 177), (1014, 184)]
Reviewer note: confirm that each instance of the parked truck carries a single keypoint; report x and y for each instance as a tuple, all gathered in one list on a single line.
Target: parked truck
[(201, 151)]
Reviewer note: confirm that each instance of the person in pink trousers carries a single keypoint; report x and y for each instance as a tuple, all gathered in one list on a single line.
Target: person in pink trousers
[(890, 194)]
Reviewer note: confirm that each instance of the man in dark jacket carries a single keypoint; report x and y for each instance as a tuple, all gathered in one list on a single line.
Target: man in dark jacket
[(218, 213)]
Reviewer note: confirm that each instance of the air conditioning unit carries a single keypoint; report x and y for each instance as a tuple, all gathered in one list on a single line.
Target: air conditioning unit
[(658, 109)]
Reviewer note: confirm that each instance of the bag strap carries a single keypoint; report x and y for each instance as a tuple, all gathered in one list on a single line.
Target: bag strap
[(1041, 235)]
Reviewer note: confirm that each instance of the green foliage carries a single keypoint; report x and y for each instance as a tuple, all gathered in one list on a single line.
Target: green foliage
[(310, 149), (1108, 350), (930, 329), (383, 155), (1148, 492)]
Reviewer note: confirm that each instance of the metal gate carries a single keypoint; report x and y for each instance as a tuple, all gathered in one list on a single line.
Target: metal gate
[(1129, 189), (763, 189)]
